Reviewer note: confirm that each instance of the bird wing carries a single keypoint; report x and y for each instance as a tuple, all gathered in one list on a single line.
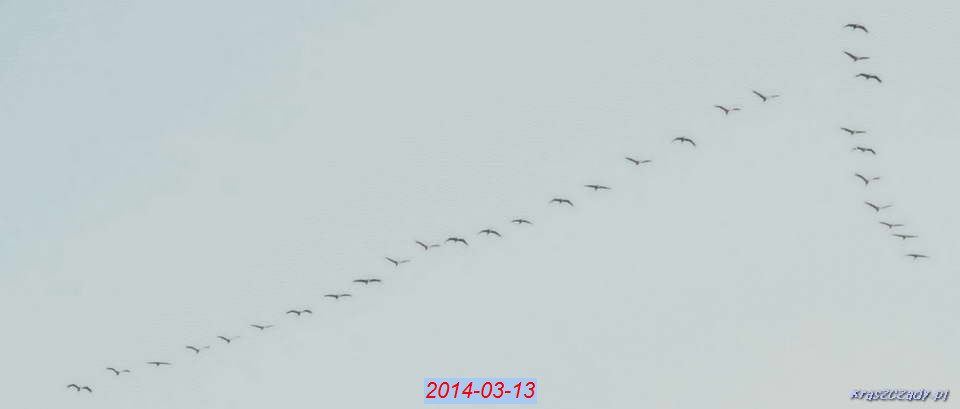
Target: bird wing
[(850, 55), (422, 244), (73, 385), (759, 95), (865, 180)]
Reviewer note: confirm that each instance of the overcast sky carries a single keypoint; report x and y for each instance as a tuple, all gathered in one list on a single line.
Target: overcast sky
[(177, 170)]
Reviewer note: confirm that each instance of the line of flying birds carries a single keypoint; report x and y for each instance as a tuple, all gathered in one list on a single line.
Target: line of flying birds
[(558, 201), (867, 180)]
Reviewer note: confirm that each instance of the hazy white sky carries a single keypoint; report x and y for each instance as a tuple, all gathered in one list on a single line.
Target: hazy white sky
[(176, 170)]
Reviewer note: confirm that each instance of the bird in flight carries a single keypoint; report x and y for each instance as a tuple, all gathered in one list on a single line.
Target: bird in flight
[(195, 349), (117, 372), (426, 246), (521, 221), (158, 363), (227, 339), (852, 131), (336, 296), (561, 201), (855, 57), (458, 240), (637, 162), (366, 281), (869, 77), (726, 111), (864, 149), (683, 139), (397, 263), (891, 225), (916, 256), (298, 312), (80, 388), (856, 27), (489, 232), (905, 236), (764, 97), (866, 181), (877, 207), (261, 327), (597, 187)]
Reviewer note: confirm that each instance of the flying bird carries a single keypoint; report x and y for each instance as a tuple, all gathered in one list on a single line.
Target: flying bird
[(117, 372), (683, 139), (891, 225), (197, 350), (852, 131), (864, 149), (561, 201), (726, 111), (597, 187), (489, 232), (866, 181), (458, 240), (427, 246), (637, 162), (336, 296), (298, 312), (876, 207), (764, 97), (905, 236), (363, 281), (261, 327), (158, 363), (856, 27), (397, 263), (869, 77), (80, 388), (916, 256), (521, 221), (227, 339), (855, 57)]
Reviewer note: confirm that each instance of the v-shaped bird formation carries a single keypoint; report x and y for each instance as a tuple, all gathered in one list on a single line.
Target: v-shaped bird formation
[(426, 247)]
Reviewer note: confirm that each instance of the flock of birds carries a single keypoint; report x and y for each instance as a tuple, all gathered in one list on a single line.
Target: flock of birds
[(558, 201), (867, 180)]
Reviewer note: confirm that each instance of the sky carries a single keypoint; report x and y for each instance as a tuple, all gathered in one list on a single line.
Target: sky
[(173, 171)]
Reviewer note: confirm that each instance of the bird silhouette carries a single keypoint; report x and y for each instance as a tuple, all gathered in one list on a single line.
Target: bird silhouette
[(397, 263), (683, 139), (852, 131), (261, 327), (336, 296), (866, 181), (117, 372), (227, 339), (561, 201), (916, 256), (299, 312), (864, 149), (869, 77), (855, 58), (764, 97), (905, 236), (597, 187), (877, 208), (197, 350), (891, 225), (158, 363), (80, 388), (856, 27), (458, 240), (521, 221), (489, 232), (362, 281), (726, 111), (427, 246), (637, 162)]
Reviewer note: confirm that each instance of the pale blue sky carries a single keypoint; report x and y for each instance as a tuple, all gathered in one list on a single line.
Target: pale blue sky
[(173, 171)]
